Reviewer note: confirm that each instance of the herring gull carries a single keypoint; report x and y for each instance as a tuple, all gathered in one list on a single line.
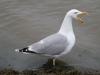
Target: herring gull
[(59, 43)]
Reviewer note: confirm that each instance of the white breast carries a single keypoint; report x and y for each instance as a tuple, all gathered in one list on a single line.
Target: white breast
[(71, 38), (71, 42)]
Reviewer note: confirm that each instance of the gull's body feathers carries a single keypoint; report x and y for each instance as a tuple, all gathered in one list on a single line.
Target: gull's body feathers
[(52, 45)]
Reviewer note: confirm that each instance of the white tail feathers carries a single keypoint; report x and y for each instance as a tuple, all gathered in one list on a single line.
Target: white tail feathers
[(17, 50)]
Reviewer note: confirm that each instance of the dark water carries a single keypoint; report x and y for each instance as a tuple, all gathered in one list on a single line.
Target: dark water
[(23, 22)]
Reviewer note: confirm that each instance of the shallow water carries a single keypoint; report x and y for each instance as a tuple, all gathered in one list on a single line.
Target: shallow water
[(23, 22)]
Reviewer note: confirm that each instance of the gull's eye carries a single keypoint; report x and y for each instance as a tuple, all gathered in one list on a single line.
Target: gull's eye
[(75, 12)]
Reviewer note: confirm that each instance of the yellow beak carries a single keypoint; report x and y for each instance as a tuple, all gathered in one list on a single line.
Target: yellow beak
[(80, 16)]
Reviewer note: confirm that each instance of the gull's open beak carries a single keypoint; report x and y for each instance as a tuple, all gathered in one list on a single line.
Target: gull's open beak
[(80, 16)]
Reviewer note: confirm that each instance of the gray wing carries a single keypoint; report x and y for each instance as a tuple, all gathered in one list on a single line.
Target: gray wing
[(51, 45)]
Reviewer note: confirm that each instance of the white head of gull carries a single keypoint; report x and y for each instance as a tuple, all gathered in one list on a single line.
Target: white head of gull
[(67, 22), (60, 43)]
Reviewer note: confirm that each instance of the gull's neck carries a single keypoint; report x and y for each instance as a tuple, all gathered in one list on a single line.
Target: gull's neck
[(66, 26)]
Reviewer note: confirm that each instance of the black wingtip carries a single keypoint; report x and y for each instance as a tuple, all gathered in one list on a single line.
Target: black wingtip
[(25, 50)]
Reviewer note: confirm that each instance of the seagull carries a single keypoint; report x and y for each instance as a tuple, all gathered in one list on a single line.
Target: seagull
[(59, 43)]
